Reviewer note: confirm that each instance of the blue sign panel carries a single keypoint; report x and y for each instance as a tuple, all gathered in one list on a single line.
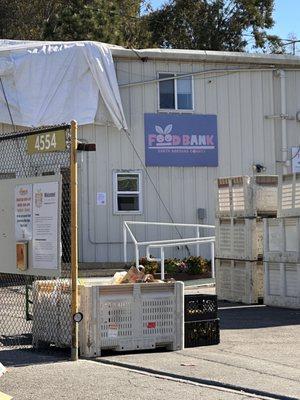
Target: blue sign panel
[(181, 140)]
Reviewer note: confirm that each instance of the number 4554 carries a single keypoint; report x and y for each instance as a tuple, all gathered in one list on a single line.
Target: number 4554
[(45, 141)]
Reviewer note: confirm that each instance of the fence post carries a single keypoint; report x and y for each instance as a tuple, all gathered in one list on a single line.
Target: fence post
[(74, 240)]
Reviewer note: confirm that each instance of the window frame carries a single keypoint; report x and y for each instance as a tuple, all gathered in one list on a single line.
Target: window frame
[(116, 192), (176, 109)]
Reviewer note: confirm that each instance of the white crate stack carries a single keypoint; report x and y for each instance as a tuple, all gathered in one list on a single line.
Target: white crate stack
[(242, 203), (282, 247)]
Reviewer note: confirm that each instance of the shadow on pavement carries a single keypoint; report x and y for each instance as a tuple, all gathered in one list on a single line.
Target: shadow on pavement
[(232, 316), (11, 340), (241, 316), (23, 357)]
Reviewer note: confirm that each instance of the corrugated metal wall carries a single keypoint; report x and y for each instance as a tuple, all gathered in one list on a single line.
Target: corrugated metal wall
[(292, 80), (240, 100)]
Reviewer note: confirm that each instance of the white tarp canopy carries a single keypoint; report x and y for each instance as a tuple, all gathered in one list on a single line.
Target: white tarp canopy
[(48, 83)]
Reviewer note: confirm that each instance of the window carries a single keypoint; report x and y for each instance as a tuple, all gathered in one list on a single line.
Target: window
[(127, 192), (175, 94)]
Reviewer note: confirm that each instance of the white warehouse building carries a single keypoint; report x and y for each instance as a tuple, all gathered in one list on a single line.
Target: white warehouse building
[(255, 99), (192, 116)]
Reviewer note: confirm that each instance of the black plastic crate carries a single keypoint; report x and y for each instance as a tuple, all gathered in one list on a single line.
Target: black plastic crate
[(202, 333), (199, 307)]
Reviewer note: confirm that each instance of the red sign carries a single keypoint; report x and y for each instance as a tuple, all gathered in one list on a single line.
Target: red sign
[(151, 325)]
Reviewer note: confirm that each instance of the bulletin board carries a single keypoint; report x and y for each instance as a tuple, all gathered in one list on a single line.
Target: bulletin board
[(30, 226)]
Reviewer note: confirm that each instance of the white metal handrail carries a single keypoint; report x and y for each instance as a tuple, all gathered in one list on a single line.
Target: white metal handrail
[(172, 241), (167, 242)]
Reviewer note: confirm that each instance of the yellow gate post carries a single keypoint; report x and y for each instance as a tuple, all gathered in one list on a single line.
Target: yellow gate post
[(74, 240)]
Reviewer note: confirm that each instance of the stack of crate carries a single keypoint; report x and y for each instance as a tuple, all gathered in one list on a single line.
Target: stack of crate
[(282, 247), (201, 322), (242, 203)]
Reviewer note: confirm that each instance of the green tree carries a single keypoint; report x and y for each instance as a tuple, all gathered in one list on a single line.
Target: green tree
[(187, 24), (24, 20), (213, 25), (111, 21), (116, 22)]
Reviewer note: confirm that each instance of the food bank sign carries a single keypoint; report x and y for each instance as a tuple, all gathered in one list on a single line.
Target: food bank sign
[(181, 140)]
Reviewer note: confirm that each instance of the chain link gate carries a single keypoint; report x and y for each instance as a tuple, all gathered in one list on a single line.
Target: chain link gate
[(31, 306)]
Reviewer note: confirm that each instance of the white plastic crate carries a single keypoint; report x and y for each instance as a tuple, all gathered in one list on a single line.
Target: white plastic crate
[(239, 281), (244, 196), (239, 238), (282, 284), (289, 195), (282, 239), (131, 317)]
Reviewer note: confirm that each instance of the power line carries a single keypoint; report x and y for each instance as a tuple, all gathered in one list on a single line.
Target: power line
[(143, 59), (218, 73), (128, 135)]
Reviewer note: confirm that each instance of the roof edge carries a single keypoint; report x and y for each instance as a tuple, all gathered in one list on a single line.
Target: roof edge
[(206, 56)]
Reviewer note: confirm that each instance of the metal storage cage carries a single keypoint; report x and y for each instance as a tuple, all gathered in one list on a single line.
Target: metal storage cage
[(282, 239), (282, 284), (50, 324), (239, 281), (289, 195), (239, 238), (244, 196)]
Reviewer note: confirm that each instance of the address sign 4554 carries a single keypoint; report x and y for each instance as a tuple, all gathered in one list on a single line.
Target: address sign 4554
[(46, 142)]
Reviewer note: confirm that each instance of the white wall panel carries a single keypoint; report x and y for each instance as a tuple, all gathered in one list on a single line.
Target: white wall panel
[(241, 100), (233, 82), (223, 125), (257, 117), (247, 140), (293, 106), (268, 124)]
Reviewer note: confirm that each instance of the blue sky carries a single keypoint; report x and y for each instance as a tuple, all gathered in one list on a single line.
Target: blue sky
[(286, 16)]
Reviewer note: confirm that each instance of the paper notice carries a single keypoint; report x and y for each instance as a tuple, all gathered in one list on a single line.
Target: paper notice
[(45, 225), (23, 212), (101, 199)]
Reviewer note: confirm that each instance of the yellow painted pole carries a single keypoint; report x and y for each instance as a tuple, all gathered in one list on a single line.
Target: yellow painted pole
[(74, 240)]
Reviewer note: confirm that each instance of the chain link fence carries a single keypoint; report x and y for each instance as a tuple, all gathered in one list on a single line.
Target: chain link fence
[(37, 310)]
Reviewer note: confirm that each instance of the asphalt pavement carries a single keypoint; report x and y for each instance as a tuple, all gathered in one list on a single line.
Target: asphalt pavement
[(52, 378), (258, 357)]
